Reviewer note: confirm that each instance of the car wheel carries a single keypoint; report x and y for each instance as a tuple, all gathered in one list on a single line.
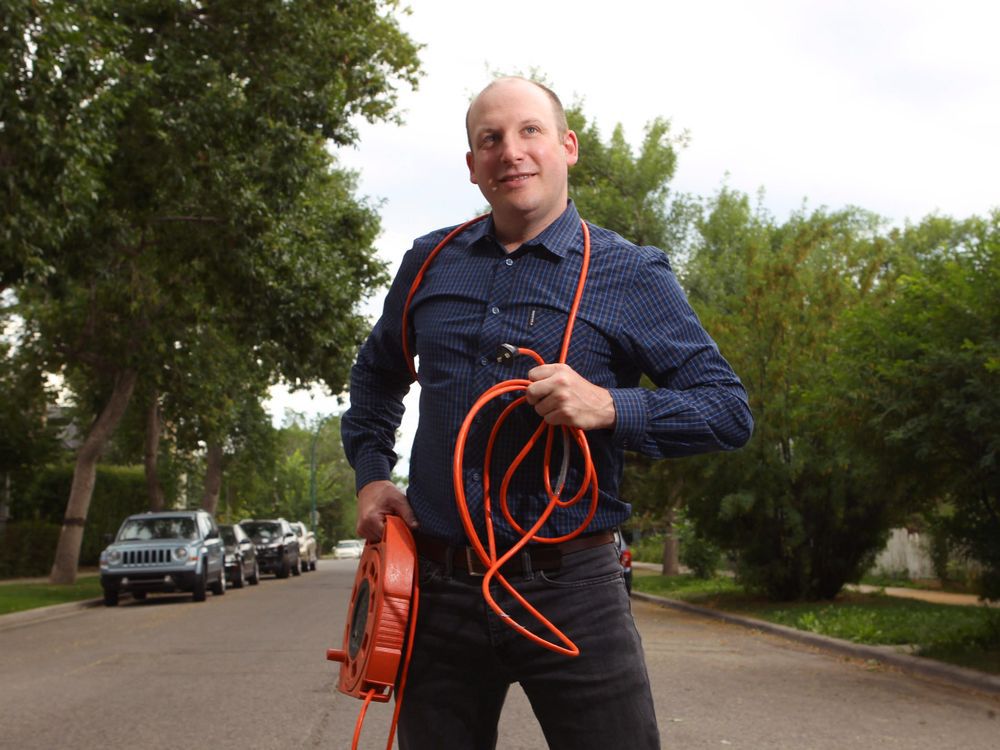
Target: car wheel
[(284, 569), (139, 596), (200, 587), (255, 576), (219, 586), (110, 597), (303, 566), (295, 569), (312, 564), (238, 576)]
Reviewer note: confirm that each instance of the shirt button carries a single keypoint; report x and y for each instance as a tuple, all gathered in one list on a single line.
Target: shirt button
[(484, 361), (495, 310), (509, 261), (475, 476)]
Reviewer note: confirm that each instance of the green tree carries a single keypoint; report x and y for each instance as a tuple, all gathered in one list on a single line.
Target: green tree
[(628, 191), (926, 374), (27, 439), (802, 510), (207, 193)]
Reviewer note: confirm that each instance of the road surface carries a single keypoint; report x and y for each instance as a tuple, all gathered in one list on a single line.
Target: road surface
[(247, 670)]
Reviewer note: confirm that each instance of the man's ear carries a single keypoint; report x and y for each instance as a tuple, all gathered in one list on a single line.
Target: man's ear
[(469, 162), (572, 146)]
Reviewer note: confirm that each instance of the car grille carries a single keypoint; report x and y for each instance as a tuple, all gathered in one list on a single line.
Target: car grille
[(146, 557)]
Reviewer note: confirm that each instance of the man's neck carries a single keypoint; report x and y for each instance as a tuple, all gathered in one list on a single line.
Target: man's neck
[(514, 231)]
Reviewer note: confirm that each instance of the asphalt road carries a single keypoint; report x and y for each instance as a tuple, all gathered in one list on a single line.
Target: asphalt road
[(248, 670)]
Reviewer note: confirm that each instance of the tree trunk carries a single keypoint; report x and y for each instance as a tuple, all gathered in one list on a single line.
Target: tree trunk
[(4, 504), (151, 453), (671, 544), (671, 557), (213, 478), (84, 474)]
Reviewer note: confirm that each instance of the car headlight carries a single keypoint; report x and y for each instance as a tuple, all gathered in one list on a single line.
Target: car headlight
[(182, 554), (111, 558)]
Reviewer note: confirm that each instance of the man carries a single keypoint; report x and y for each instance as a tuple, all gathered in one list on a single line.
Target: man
[(511, 279)]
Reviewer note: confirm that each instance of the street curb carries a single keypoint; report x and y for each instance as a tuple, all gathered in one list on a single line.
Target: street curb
[(960, 676), (41, 614)]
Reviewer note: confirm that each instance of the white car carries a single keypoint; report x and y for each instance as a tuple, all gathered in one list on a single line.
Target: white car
[(348, 548), (307, 546)]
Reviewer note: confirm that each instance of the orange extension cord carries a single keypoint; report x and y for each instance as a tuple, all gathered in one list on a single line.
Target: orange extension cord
[(488, 553)]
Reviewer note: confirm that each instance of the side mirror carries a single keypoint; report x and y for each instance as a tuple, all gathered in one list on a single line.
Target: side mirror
[(213, 534)]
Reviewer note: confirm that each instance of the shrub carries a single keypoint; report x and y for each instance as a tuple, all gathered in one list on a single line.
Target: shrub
[(701, 556), (27, 548)]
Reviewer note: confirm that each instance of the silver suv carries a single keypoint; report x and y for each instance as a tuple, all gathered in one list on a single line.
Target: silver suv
[(172, 551)]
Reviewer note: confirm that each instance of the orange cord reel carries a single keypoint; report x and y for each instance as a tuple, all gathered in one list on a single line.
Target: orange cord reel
[(380, 621), (379, 615)]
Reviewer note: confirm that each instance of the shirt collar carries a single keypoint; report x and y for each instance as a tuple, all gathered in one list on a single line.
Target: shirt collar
[(559, 237)]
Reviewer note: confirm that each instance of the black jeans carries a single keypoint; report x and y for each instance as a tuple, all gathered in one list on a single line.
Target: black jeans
[(464, 659)]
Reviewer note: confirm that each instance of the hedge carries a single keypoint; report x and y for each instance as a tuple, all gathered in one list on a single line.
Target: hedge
[(27, 548), (118, 492)]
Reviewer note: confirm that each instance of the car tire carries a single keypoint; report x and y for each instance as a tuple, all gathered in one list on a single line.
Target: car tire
[(198, 592), (295, 569), (110, 597), (139, 596), (254, 578), (303, 566), (219, 586), (312, 564), (238, 579), (284, 570)]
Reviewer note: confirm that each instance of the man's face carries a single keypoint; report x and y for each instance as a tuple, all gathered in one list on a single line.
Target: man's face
[(519, 159)]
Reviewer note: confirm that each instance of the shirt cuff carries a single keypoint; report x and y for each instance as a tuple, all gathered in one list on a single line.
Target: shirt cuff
[(371, 468), (631, 417)]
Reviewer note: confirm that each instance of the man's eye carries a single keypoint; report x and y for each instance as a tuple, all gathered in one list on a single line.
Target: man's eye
[(531, 130)]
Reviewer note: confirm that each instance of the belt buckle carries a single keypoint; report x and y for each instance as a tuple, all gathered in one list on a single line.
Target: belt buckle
[(473, 565)]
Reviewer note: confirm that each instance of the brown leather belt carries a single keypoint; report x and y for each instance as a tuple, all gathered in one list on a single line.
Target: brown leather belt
[(546, 557)]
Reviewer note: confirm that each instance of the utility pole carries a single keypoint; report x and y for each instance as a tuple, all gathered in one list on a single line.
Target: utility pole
[(317, 426)]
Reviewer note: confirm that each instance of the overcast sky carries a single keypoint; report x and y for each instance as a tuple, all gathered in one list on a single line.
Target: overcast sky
[(890, 105)]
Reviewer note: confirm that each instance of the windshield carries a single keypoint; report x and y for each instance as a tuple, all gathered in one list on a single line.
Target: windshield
[(262, 531), (350, 543), (175, 527), (228, 535)]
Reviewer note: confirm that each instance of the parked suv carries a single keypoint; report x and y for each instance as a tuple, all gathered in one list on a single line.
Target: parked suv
[(307, 546), (172, 551), (277, 546)]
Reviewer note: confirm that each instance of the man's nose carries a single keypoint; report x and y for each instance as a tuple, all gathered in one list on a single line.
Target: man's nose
[(513, 150)]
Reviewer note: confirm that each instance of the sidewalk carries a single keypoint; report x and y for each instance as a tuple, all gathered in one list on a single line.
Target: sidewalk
[(926, 595)]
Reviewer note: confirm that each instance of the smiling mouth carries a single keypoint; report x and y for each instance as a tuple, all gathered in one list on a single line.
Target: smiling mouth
[(515, 178)]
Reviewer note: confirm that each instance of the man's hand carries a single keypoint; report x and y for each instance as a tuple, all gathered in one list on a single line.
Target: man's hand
[(379, 499), (563, 397)]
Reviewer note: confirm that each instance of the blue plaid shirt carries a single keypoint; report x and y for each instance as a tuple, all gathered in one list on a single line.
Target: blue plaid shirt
[(633, 319)]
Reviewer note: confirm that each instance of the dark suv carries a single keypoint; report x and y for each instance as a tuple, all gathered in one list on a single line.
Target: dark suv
[(277, 546), (241, 556), (172, 551)]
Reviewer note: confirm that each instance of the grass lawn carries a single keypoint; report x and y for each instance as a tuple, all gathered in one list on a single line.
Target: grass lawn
[(15, 597), (965, 635)]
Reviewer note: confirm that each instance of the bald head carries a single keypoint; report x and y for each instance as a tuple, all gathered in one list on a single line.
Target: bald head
[(557, 107)]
